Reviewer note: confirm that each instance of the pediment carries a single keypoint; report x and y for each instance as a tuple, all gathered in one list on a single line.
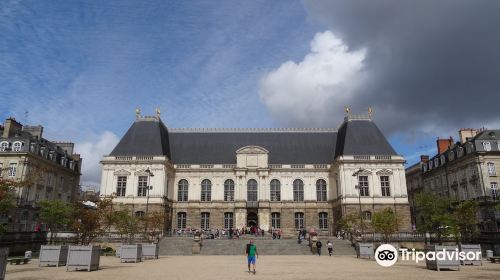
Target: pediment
[(121, 172), (252, 150), (384, 172), (141, 172)]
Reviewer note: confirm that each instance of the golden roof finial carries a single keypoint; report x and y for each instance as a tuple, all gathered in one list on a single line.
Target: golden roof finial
[(158, 112), (347, 110), (137, 113)]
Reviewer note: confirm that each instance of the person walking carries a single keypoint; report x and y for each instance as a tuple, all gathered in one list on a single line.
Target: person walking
[(329, 245), (318, 247), (252, 254)]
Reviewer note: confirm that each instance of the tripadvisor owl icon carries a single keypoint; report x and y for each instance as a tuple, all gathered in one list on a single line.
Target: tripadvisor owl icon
[(386, 255)]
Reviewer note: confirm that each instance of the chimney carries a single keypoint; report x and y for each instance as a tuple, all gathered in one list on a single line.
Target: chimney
[(444, 144), (466, 134), (11, 127), (424, 158)]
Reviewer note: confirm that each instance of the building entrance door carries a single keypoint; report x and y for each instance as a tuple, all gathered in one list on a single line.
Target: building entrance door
[(252, 219)]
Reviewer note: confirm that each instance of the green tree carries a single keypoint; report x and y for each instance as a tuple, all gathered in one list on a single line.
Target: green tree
[(385, 222), (126, 224), (7, 199), (466, 220), (56, 214), (436, 213)]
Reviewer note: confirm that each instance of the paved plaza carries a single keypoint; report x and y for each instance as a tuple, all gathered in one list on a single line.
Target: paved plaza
[(268, 267)]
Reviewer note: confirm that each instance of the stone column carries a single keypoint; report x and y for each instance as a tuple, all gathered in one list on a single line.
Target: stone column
[(240, 217)]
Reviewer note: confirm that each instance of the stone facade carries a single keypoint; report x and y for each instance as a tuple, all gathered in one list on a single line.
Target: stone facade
[(244, 192), (465, 170), (51, 167)]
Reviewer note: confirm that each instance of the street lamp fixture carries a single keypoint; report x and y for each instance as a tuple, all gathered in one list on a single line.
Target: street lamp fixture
[(148, 188), (357, 186)]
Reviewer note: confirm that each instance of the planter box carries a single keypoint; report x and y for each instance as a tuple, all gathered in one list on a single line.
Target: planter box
[(131, 253), (53, 255), (4, 254), (476, 249), (452, 264), (150, 251), (118, 250), (83, 258), (365, 250)]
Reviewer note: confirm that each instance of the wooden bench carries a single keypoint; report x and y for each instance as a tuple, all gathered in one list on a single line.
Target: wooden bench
[(495, 259), (17, 261)]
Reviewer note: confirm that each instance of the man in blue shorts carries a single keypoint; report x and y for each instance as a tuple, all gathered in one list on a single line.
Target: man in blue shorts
[(251, 255)]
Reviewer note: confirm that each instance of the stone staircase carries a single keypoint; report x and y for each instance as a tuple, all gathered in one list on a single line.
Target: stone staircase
[(175, 246), (182, 246)]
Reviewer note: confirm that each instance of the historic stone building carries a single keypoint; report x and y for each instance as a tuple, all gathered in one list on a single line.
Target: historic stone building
[(271, 178), (465, 170), (50, 170)]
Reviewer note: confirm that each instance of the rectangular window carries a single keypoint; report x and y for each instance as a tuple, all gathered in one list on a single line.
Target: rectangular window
[(299, 220), (491, 169), (385, 185), (228, 220), (1, 170), (142, 186), (121, 185), (323, 221), (205, 220), (181, 220), (494, 190), (276, 220), (12, 169), (363, 186)]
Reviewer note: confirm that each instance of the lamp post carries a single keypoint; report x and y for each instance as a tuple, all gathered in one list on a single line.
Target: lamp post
[(148, 188), (358, 187)]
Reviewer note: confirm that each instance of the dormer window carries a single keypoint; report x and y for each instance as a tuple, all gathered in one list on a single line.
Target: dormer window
[(431, 165), (460, 152), (487, 146), (443, 159), (436, 162), (17, 146), (451, 156), (4, 146)]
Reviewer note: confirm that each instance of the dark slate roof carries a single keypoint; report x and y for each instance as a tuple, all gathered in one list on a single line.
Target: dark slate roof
[(355, 137), (488, 135), (144, 137), (362, 137), (304, 147)]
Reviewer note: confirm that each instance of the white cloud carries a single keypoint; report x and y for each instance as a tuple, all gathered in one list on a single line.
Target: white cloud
[(313, 91), (92, 152)]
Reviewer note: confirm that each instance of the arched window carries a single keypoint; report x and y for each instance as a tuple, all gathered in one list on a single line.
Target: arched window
[(206, 190), (275, 190), (205, 220), (17, 146), (229, 190), (299, 220), (323, 220), (182, 190), (366, 215), (228, 220), (321, 190), (139, 214), (181, 220), (298, 190), (252, 190), (4, 146), (275, 220)]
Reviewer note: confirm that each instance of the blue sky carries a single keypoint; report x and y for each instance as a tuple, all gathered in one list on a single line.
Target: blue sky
[(80, 68)]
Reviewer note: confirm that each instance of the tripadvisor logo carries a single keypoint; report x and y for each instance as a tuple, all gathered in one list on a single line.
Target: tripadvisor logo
[(386, 255)]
